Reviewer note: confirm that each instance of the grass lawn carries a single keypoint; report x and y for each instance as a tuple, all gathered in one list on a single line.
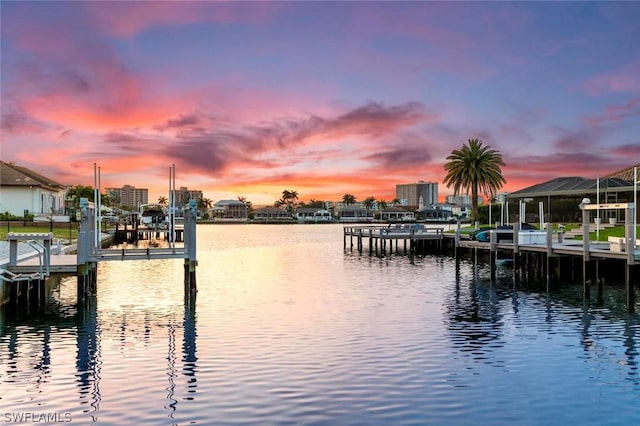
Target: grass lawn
[(61, 231), (604, 234)]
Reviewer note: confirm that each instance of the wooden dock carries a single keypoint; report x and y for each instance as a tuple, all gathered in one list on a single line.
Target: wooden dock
[(540, 251), (565, 248), (412, 236), (22, 281)]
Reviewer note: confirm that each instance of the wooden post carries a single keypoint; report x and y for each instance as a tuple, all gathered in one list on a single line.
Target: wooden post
[(457, 240), (493, 253), (631, 296), (585, 253), (86, 267), (629, 233), (630, 247), (42, 293), (549, 228), (344, 237), (600, 291), (516, 245), (190, 220)]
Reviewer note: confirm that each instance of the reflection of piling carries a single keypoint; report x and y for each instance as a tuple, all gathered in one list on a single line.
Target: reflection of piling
[(189, 349)]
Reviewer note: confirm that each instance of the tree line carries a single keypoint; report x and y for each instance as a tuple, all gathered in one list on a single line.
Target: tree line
[(473, 168)]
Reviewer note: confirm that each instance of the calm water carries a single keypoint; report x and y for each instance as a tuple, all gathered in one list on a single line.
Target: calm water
[(288, 328)]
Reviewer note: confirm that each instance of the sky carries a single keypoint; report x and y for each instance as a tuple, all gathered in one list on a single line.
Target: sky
[(248, 99)]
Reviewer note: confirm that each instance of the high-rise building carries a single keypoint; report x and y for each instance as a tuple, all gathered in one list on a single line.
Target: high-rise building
[(418, 194), (462, 199), (129, 196), (184, 194)]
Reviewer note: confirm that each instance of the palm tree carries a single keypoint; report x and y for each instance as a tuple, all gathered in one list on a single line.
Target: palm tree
[(348, 199), (368, 202), (318, 204), (289, 198), (382, 204), (162, 200), (246, 202), (395, 201), (474, 167)]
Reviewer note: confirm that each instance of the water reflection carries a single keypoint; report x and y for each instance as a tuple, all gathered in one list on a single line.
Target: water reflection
[(631, 349), (171, 371), (88, 356), (26, 345), (479, 323), (473, 314), (294, 331), (189, 350)]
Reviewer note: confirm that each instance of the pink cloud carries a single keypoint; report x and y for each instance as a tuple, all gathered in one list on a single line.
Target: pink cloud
[(624, 79), (128, 19), (615, 113)]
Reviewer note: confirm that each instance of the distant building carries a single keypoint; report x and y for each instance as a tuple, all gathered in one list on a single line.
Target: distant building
[(229, 209), (23, 189), (275, 214), (184, 194), (418, 194), (312, 214), (395, 214), (442, 212), (354, 213), (462, 200), (129, 196)]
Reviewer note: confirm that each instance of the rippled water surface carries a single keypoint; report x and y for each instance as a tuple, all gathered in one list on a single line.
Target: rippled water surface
[(290, 328)]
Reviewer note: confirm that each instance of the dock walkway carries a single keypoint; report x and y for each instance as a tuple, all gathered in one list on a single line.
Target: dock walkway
[(413, 235)]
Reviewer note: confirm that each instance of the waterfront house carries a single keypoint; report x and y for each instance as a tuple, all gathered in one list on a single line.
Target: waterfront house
[(351, 214), (24, 190), (272, 214), (442, 212), (562, 196), (311, 214), (229, 209), (395, 214)]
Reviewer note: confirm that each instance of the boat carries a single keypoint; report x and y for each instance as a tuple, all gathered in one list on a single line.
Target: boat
[(153, 215)]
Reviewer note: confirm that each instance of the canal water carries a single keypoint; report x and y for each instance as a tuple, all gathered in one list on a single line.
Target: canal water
[(289, 328)]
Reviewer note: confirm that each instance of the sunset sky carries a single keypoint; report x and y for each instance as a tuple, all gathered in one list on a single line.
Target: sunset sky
[(324, 98)]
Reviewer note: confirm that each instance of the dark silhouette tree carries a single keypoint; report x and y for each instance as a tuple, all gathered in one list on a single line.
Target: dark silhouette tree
[(348, 199)]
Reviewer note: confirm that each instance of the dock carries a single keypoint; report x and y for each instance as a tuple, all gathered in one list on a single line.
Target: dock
[(22, 280), (544, 253), (412, 236)]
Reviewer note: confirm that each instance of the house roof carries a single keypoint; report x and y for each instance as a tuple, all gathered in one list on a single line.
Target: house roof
[(223, 203), (575, 185), (12, 175), (393, 209), (271, 210), (310, 210), (625, 174)]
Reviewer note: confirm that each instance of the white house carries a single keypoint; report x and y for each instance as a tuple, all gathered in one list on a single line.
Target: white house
[(23, 189), (310, 214)]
